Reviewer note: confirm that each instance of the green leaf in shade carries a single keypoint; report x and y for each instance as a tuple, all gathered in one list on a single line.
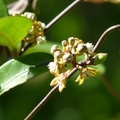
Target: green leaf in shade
[(13, 30), (18, 71), (3, 9)]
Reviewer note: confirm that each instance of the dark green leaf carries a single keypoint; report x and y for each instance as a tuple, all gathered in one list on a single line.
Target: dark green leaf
[(18, 71), (13, 30), (3, 9)]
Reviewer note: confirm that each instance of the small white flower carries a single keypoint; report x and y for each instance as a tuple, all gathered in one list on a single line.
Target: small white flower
[(89, 46), (43, 25), (41, 39), (53, 68)]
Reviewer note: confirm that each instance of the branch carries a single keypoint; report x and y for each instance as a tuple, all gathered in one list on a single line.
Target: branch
[(58, 17), (54, 89), (104, 35), (46, 98)]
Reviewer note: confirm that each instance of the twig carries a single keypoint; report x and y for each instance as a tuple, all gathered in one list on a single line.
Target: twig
[(46, 98), (104, 35), (50, 24)]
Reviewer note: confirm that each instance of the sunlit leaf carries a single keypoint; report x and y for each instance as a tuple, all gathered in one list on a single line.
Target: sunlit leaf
[(13, 30), (18, 71), (3, 9)]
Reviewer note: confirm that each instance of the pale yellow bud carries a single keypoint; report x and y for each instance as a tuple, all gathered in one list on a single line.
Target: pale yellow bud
[(30, 16), (81, 48), (71, 40), (58, 54), (54, 48), (67, 58)]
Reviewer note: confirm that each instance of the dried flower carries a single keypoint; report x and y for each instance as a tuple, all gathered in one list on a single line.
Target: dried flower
[(85, 73), (61, 80)]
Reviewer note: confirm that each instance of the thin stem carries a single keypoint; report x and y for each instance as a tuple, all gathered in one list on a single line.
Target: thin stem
[(66, 10), (104, 35), (8, 53), (15, 52), (58, 17), (46, 98)]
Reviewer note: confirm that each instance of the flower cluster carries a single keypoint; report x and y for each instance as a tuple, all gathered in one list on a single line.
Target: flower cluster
[(36, 33), (65, 61)]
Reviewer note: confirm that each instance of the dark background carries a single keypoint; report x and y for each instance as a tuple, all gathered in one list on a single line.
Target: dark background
[(90, 101)]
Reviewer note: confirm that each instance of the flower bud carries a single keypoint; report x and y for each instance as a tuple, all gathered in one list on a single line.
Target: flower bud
[(81, 48), (54, 48), (64, 43), (100, 58), (71, 40), (67, 58), (58, 54), (30, 16), (77, 42)]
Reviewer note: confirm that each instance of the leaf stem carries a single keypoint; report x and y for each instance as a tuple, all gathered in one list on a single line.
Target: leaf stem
[(8, 53), (104, 35), (51, 23), (15, 51)]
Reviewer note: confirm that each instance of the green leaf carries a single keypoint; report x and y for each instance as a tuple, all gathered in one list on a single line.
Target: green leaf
[(18, 71), (13, 30), (3, 9)]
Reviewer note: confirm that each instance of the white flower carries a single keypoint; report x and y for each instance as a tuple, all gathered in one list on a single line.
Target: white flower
[(53, 68), (89, 46), (43, 25), (41, 39)]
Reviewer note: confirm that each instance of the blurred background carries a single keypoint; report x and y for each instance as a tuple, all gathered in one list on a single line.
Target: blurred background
[(95, 98)]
